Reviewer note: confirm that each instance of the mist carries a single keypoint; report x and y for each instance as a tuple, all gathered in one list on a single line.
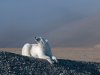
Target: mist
[(20, 21)]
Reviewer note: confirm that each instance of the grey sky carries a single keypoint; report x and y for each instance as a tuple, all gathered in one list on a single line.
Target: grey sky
[(21, 20)]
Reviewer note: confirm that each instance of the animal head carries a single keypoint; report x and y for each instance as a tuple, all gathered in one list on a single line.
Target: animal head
[(43, 43), (41, 40)]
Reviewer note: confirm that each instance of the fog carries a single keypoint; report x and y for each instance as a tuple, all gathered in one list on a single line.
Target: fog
[(20, 21)]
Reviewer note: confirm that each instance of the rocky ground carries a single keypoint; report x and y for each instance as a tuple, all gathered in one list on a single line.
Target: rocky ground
[(15, 64)]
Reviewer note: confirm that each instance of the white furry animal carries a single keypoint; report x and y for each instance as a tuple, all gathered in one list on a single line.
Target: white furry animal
[(40, 50)]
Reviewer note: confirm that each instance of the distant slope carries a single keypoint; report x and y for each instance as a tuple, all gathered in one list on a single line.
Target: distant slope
[(81, 33), (13, 64)]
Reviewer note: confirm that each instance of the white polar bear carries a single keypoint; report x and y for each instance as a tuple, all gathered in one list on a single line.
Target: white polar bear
[(40, 50)]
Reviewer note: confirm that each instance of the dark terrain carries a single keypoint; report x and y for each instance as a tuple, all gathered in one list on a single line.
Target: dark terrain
[(15, 64)]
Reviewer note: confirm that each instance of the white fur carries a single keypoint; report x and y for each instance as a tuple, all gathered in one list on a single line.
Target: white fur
[(40, 50)]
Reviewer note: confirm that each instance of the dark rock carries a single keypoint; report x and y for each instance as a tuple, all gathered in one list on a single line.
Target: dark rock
[(14, 64)]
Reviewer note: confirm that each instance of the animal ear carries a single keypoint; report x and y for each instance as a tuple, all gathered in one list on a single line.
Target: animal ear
[(46, 40)]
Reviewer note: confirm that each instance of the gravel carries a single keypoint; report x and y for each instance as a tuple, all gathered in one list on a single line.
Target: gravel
[(14, 64)]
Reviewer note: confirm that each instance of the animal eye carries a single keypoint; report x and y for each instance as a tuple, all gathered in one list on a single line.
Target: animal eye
[(38, 39)]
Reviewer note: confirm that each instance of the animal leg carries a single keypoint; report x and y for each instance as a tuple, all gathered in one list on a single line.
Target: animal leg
[(55, 59), (47, 58)]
